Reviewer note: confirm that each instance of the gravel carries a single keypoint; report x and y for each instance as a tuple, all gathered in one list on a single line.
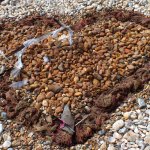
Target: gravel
[(136, 138), (23, 8), (66, 75)]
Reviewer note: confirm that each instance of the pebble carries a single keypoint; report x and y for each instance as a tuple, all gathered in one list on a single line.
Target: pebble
[(103, 146), (46, 59), (147, 139), (147, 148), (111, 140), (147, 112), (58, 110), (131, 67), (141, 103), (123, 130), (117, 135), (99, 7), (126, 115), (133, 115), (10, 148), (65, 99), (101, 132), (131, 136), (4, 115), (6, 144), (56, 88), (6, 137), (117, 125), (111, 147), (1, 128), (45, 103), (148, 127), (41, 97)]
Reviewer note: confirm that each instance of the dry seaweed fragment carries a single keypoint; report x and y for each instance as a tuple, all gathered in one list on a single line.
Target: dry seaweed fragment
[(82, 133), (29, 116)]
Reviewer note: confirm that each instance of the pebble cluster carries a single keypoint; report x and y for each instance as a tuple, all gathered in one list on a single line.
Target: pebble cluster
[(59, 74), (128, 127), (22, 8)]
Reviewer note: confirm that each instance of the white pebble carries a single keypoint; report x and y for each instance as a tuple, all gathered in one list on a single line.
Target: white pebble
[(111, 147), (111, 140), (117, 135), (6, 137), (1, 128), (118, 124), (6, 144)]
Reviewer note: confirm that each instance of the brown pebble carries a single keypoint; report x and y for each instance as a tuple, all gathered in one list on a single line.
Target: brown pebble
[(58, 110), (65, 99), (49, 94), (55, 88), (78, 94), (131, 67), (40, 97)]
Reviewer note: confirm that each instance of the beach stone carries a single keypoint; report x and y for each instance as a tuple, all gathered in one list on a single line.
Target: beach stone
[(101, 132), (40, 97), (10, 148), (111, 147), (45, 103), (78, 94), (65, 99), (111, 140), (126, 115), (117, 125), (141, 103), (147, 139), (56, 88), (133, 115), (148, 127), (5, 2), (1, 128), (147, 112), (131, 136), (123, 130), (49, 119), (4, 115), (96, 82), (147, 148), (6, 137), (117, 135), (6, 144), (131, 67), (49, 95), (58, 110), (99, 7), (103, 146)]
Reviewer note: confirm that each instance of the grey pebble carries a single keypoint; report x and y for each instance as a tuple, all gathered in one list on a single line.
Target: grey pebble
[(123, 130), (101, 132), (4, 115), (141, 103)]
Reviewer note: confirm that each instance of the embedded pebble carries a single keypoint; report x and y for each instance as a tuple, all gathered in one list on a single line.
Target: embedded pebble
[(141, 103), (126, 115), (147, 139), (118, 124), (111, 140), (6, 144), (117, 135), (101, 132), (111, 147), (1, 128), (51, 91)]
